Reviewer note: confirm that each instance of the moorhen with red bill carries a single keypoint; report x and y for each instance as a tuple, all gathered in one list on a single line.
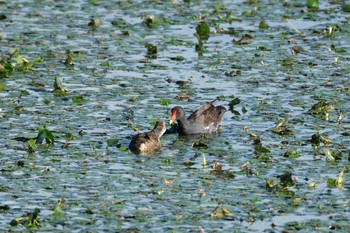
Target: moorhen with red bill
[(205, 120), (148, 142)]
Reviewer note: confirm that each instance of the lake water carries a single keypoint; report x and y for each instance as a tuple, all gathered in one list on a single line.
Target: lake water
[(89, 181)]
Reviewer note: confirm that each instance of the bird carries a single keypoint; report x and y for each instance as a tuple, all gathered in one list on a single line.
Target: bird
[(148, 142), (205, 120)]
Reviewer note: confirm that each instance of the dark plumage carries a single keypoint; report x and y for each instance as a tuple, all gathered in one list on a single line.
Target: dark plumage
[(205, 120), (148, 142)]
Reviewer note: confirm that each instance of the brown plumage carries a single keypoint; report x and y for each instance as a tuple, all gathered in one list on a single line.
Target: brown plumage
[(148, 142), (205, 120)]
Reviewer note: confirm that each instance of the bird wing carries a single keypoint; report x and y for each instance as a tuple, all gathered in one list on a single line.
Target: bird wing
[(201, 112)]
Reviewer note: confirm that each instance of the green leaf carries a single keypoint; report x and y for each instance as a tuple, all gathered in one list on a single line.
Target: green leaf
[(262, 149), (119, 22), (167, 161), (78, 100), (123, 148), (151, 49), (58, 87), (262, 48), (45, 134), (14, 52), (235, 101), (340, 50), (235, 112), (203, 31), (47, 102), (232, 104), (41, 136), (165, 102), (49, 137), (58, 212), (199, 47), (70, 136), (112, 142), (250, 13), (153, 122), (106, 63), (177, 58), (316, 139), (332, 154), (263, 25), (297, 201), (151, 21), (33, 218), (288, 62), (32, 145), (36, 60), (331, 183), (346, 7), (25, 93), (291, 154), (286, 179), (329, 154), (21, 60), (94, 23), (312, 4)]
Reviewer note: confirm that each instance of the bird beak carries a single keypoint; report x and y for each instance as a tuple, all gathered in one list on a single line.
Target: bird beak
[(173, 117)]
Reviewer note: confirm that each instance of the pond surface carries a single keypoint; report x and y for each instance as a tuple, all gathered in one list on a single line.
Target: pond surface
[(278, 58)]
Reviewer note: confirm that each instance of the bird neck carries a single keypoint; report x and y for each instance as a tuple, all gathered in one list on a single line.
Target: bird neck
[(183, 123)]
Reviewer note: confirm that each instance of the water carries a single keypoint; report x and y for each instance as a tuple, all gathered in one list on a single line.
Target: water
[(105, 186)]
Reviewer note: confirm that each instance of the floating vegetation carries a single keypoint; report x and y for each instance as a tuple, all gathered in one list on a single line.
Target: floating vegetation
[(29, 220), (59, 208), (282, 128), (321, 109), (7, 67), (332, 154), (244, 40), (312, 4), (45, 135), (203, 31), (151, 51), (78, 99), (202, 34), (119, 22), (94, 23), (69, 59), (151, 21), (221, 212), (120, 64), (58, 85), (291, 154), (200, 145), (263, 25), (317, 138), (338, 182), (235, 101)]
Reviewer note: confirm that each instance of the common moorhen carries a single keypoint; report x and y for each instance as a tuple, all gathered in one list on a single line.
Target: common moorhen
[(205, 120), (148, 142)]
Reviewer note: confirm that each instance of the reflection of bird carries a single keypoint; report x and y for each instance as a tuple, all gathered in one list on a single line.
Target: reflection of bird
[(204, 120), (150, 141)]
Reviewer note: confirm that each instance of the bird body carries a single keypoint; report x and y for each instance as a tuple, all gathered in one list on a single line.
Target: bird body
[(205, 120), (150, 141)]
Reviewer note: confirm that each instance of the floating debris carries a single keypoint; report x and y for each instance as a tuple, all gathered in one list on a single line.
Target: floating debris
[(282, 128), (30, 219), (321, 109)]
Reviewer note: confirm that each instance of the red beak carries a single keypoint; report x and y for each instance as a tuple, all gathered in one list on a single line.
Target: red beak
[(173, 117)]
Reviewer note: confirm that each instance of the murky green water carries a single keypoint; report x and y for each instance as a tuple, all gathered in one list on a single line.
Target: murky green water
[(90, 181)]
